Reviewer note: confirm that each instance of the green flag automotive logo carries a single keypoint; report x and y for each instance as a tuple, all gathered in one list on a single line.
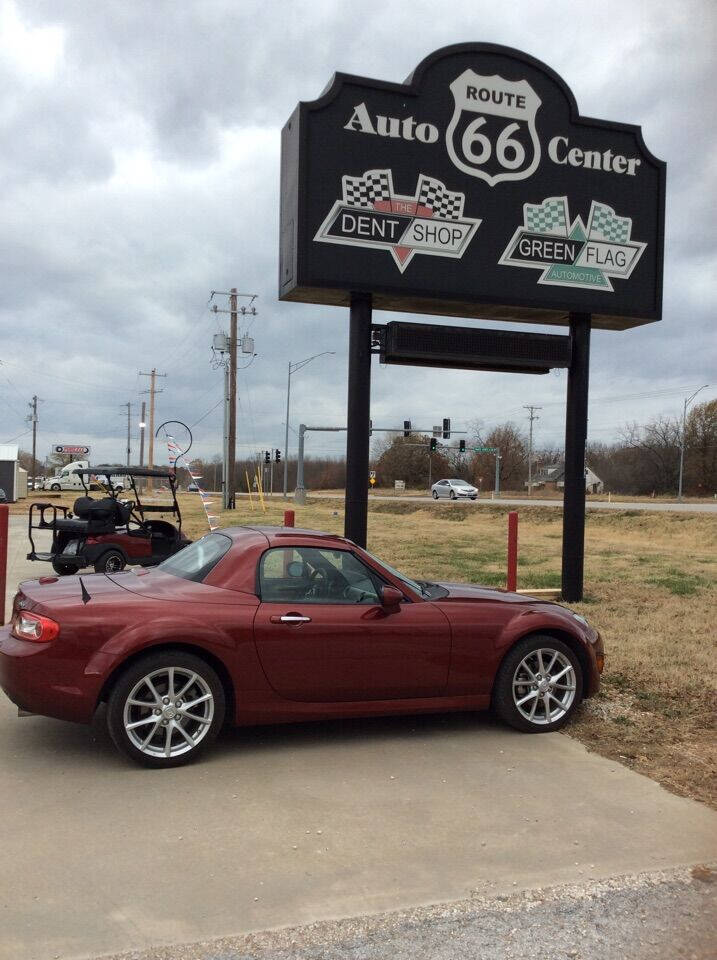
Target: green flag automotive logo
[(569, 253)]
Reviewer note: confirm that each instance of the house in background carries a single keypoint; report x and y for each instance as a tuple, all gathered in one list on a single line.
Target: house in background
[(13, 479), (552, 477)]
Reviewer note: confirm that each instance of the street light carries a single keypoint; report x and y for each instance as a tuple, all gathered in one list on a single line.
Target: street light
[(682, 439), (293, 367)]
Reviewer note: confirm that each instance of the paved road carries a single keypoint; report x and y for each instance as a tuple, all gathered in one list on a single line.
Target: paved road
[(289, 825), (657, 505)]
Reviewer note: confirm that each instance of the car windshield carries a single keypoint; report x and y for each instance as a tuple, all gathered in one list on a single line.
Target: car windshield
[(413, 584), (195, 561), (460, 483)]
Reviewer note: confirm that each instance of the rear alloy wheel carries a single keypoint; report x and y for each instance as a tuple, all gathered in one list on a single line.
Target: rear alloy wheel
[(539, 685), (110, 562), (166, 709)]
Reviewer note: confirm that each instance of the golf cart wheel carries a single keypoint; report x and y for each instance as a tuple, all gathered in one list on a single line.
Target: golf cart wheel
[(435, 494), (166, 709), (452, 494), (63, 569), (112, 561), (55, 487), (539, 685)]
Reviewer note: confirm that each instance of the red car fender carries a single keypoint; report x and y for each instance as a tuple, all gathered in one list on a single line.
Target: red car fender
[(558, 623), (213, 639)]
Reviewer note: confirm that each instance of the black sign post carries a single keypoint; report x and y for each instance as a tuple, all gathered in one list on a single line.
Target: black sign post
[(475, 189)]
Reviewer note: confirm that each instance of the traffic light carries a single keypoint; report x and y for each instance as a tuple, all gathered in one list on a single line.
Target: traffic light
[(267, 457), (461, 446), (434, 444), (407, 428), (277, 456), (370, 428), (446, 428)]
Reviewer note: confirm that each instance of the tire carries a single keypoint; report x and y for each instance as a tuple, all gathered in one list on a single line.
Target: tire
[(435, 494), (163, 733), (111, 561), (55, 487), (562, 702), (63, 569), (452, 494)]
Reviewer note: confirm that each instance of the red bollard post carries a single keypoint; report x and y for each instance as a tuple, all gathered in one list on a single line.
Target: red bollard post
[(512, 579), (288, 518), (4, 513)]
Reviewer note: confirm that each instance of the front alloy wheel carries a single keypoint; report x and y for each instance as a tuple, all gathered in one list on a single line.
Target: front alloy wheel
[(539, 685), (435, 494), (166, 709)]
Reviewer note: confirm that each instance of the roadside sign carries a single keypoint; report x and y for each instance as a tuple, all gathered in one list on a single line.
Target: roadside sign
[(399, 485), (484, 449), (72, 449), (475, 189)]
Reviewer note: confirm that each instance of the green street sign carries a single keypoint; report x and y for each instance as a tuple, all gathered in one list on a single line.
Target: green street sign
[(483, 449)]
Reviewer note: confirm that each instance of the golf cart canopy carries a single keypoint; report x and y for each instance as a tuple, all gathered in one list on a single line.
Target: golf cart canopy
[(117, 470)]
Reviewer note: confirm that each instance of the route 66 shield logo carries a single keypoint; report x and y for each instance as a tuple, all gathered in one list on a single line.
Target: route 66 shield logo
[(492, 131)]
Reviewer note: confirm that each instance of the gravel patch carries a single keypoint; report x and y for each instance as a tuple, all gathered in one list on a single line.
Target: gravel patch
[(657, 916)]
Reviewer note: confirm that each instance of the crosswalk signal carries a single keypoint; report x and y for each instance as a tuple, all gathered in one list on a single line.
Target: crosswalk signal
[(407, 428), (446, 428), (267, 457), (434, 444), (461, 446), (277, 456)]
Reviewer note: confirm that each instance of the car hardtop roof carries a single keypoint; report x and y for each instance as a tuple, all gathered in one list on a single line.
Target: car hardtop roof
[(114, 470), (275, 535)]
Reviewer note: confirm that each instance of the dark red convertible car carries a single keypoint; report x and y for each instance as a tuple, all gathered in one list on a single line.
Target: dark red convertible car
[(259, 625)]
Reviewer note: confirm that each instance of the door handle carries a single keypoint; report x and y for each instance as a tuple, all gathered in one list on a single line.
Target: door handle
[(290, 618)]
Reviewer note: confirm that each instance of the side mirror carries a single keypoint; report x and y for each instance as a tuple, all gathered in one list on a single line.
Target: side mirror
[(391, 598)]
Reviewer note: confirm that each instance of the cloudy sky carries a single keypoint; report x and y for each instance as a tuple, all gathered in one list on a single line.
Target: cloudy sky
[(139, 171)]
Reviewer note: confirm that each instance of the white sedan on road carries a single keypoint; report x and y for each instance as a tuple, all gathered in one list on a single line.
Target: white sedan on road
[(454, 489)]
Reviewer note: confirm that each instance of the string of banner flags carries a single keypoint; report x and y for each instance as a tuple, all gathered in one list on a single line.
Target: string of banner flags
[(177, 459)]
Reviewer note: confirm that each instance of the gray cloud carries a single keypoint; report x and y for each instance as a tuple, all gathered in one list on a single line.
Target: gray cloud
[(140, 170)]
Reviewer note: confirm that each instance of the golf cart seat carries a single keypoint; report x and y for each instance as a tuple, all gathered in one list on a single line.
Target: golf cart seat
[(100, 516)]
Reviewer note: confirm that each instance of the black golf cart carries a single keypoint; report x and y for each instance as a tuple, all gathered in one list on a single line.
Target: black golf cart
[(109, 533)]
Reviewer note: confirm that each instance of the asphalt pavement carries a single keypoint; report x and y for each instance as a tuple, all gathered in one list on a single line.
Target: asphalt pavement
[(659, 506), (290, 825)]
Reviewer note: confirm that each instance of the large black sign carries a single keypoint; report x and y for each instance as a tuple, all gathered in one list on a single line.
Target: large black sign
[(475, 190)]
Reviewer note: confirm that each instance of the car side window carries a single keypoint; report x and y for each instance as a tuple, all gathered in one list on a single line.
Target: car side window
[(314, 575)]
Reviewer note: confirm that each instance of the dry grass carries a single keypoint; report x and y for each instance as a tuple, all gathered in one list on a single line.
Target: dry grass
[(650, 588)]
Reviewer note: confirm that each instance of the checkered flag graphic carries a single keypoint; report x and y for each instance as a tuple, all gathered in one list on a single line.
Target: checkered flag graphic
[(364, 191), (550, 216), (604, 225), (433, 194)]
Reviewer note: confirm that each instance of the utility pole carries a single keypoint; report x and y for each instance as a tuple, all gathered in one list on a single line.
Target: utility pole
[(152, 391), (142, 425), (532, 416), (33, 417), (232, 441), (688, 401), (129, 428)]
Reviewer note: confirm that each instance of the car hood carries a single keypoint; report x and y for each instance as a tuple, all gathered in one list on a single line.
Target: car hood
[(471, 591)]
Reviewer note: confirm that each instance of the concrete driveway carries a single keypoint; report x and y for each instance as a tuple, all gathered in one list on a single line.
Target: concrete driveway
[(287, 825)]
